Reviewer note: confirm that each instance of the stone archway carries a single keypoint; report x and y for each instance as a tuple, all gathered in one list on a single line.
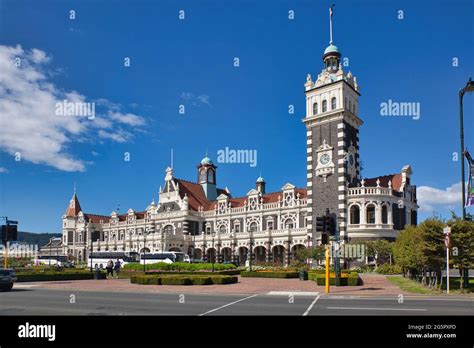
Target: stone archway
[(226, 254), (242, 254), (211, 255), (197, 254), (279, 254), (260, 253)]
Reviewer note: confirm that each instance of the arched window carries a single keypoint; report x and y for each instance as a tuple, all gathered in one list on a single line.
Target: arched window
[(168, 230), (333, 103), (289, 224), (350, 105), (222, 229), (371, 214), (315, 108), (253, 227), (210, 176), (202, 175), (325, 105), (355, 215), (384, 214)]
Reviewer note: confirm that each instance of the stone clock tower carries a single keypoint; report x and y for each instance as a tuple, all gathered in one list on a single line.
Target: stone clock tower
[(332, 132)]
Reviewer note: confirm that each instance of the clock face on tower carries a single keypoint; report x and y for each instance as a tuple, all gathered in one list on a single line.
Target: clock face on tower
[(325, 159)]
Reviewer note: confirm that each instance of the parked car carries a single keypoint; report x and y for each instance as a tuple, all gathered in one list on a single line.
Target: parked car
[(7, 278)]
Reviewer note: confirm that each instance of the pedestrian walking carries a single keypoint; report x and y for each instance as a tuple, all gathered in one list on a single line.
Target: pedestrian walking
[(117, 268), (110, 269)]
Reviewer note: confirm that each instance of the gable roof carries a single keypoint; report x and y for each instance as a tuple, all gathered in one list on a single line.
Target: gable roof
[(74, 207)]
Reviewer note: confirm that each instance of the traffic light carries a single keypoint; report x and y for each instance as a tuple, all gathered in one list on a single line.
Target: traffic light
[(329, 226), (9, 232), (324, 239), (320, 224)]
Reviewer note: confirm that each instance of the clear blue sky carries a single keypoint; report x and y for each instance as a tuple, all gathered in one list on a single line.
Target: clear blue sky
[(175, 61)]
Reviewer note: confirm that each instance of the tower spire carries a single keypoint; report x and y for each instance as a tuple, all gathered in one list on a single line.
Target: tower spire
[(331, 10)]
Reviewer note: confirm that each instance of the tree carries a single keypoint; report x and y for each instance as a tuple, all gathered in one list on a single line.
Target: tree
[(433, 250), (316, 253), (462, 246), (380, 249), (407, 251)]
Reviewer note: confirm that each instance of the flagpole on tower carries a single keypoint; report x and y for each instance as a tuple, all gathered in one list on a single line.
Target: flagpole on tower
[(171, 158)]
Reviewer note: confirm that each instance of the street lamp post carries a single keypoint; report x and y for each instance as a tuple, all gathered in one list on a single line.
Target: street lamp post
[(468, 88), (90, 255), (144, 251), (250, 251), (213, 234)]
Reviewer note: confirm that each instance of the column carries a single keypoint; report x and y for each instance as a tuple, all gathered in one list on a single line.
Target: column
[(286, 257), (268, 251)]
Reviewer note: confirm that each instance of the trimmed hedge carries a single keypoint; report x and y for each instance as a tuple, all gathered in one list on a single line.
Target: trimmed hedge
[(269, 274), (352, 279), (179, 266), (183, 280), (55, 276)]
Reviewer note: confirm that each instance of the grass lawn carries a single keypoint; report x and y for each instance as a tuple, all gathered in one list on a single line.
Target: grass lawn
[(413, 286), (409, 285)]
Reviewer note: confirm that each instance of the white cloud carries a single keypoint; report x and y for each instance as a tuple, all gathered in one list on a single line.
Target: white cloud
[(28, 119), (196, 100), (129, 119), (431, 198), (3, 170)]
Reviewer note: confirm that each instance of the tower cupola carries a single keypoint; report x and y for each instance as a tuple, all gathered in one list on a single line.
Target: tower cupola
[(207, 178)]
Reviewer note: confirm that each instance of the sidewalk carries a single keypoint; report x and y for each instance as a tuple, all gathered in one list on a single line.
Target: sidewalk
[(373, 285)]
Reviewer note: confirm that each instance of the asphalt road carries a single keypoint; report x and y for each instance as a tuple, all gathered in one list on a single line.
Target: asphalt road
[(33, 301)]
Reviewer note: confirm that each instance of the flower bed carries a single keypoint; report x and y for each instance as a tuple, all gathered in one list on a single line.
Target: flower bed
[(269, 274), (179, 266), (183, 279)]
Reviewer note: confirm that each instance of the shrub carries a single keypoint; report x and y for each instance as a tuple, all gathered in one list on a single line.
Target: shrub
[(183, 280), (201, 280), (176, 280), (351, 279), (389, 269), (55, 276), (224, 279), (269, 274)]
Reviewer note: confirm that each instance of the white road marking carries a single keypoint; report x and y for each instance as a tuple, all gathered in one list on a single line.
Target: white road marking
[(380, 309), (24, 286), (293, 293), (311, 305), (227, 305)]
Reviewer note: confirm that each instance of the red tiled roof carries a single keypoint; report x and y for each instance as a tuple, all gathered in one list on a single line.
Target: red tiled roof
[(197, 198), (270, 197), (74, 207), (195, 193), (94, 218), (395, 178)]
